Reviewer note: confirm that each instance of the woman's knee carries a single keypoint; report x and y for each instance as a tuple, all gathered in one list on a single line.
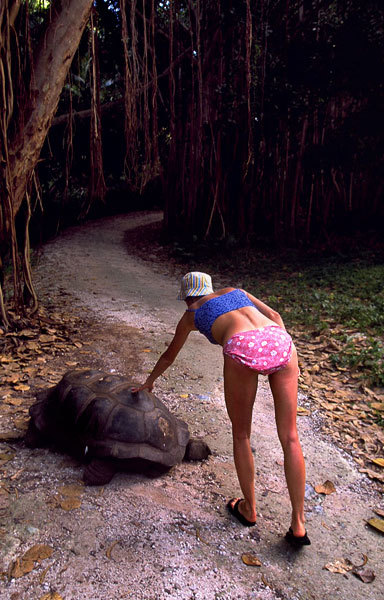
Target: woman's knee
[(289, 439), (241, 434)]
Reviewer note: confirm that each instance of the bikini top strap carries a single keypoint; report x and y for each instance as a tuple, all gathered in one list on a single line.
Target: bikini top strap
[(191, 309)]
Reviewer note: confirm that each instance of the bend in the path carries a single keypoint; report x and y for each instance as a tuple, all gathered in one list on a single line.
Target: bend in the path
[(92, 263)]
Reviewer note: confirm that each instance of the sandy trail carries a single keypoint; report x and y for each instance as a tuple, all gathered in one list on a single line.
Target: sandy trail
[(169, 537)]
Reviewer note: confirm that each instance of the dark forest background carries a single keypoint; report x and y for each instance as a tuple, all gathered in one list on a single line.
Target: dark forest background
[(258, 121)]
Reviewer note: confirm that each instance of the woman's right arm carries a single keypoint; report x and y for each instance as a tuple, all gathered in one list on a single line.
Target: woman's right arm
[(183, 329)]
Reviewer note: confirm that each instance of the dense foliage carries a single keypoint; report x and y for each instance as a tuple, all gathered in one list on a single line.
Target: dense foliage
[(294, 153)]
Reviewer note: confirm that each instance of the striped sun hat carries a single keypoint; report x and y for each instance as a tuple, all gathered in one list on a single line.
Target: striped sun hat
[(195, 284)]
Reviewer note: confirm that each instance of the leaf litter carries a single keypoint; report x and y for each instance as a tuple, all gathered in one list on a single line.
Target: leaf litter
[(26, 355), (348, 409)]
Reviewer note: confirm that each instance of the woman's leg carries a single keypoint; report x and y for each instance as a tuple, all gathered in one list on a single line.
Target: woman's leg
[(240, 386), (284, 389)]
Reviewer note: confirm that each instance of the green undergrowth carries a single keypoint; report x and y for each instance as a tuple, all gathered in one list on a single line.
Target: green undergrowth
[(338, 295)]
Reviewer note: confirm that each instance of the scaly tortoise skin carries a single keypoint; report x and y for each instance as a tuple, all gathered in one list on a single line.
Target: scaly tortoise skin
[(94, 413)]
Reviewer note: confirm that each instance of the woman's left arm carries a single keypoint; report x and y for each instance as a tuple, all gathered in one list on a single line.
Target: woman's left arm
[(266, 310)]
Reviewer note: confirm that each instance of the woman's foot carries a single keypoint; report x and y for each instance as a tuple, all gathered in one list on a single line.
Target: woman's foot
[(297, 526), (297, 540), (244, 514)]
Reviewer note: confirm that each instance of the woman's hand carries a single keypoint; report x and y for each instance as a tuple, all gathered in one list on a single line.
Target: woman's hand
[(146, 386)]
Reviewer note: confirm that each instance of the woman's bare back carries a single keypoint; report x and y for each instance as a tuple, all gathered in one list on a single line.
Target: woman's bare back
[(242, 319)]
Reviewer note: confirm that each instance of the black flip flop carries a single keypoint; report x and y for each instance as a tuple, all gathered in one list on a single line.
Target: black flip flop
[(234, 510), (296, 540)]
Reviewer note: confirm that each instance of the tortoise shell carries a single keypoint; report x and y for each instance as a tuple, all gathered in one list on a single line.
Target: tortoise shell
[(98, 413)]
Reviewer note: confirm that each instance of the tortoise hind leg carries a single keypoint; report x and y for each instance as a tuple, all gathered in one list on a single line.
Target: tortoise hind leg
[(99, 471)]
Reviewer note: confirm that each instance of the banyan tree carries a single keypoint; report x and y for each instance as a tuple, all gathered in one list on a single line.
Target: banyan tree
[(31, 80), (250, 117)]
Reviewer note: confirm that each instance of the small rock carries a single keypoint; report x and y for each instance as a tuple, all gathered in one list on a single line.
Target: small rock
[(310, 491)]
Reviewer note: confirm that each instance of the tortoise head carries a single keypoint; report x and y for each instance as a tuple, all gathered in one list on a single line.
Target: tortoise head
[(197, 450)]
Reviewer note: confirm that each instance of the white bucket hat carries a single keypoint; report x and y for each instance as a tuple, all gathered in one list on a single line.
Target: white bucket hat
[(195, 284)]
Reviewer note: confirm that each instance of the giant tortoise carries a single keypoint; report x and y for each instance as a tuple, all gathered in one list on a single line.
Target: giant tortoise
[(93, 414)]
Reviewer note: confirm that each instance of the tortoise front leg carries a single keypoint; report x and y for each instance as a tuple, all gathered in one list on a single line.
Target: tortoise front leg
[(99, 471), (34, 438)]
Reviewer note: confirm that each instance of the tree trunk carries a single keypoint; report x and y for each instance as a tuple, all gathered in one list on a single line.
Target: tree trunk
[(51, 66)]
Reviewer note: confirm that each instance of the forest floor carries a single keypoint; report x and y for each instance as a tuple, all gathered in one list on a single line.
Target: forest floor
[(164, 536)]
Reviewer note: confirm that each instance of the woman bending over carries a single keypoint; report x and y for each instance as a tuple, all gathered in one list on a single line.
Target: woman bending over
[(254, 342)]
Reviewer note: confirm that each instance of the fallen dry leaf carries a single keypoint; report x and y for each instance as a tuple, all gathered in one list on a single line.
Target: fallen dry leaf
[(47, 339), (17, 474), (303, 412), (33, 346), (21, 423), (379, 511), (22, 387), (5, 456), (7, 409), (69, 503), (200, 537), (15, 401), (372, 474), (75, 489), (365, 560), (20, 567), (325, 488), (377, 524), (14, 378), (38, 552), (11, 436), (26, 333), (31, 371), (378, 461), (111, 547), (51, 596), (70, 496), (26, 563), (6, 359), (43, 574), (251, 560), (365, 574), (342, 565)]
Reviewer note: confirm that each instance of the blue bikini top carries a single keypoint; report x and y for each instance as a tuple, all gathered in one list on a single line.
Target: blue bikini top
[(208, 312)]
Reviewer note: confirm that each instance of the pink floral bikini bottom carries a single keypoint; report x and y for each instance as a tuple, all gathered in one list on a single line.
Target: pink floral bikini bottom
[(265, 350)]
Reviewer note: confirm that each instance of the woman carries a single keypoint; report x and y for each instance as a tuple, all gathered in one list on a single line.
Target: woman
[(254, 342)]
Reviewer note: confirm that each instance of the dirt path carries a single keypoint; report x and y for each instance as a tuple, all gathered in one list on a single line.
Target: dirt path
[(169, 537)]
